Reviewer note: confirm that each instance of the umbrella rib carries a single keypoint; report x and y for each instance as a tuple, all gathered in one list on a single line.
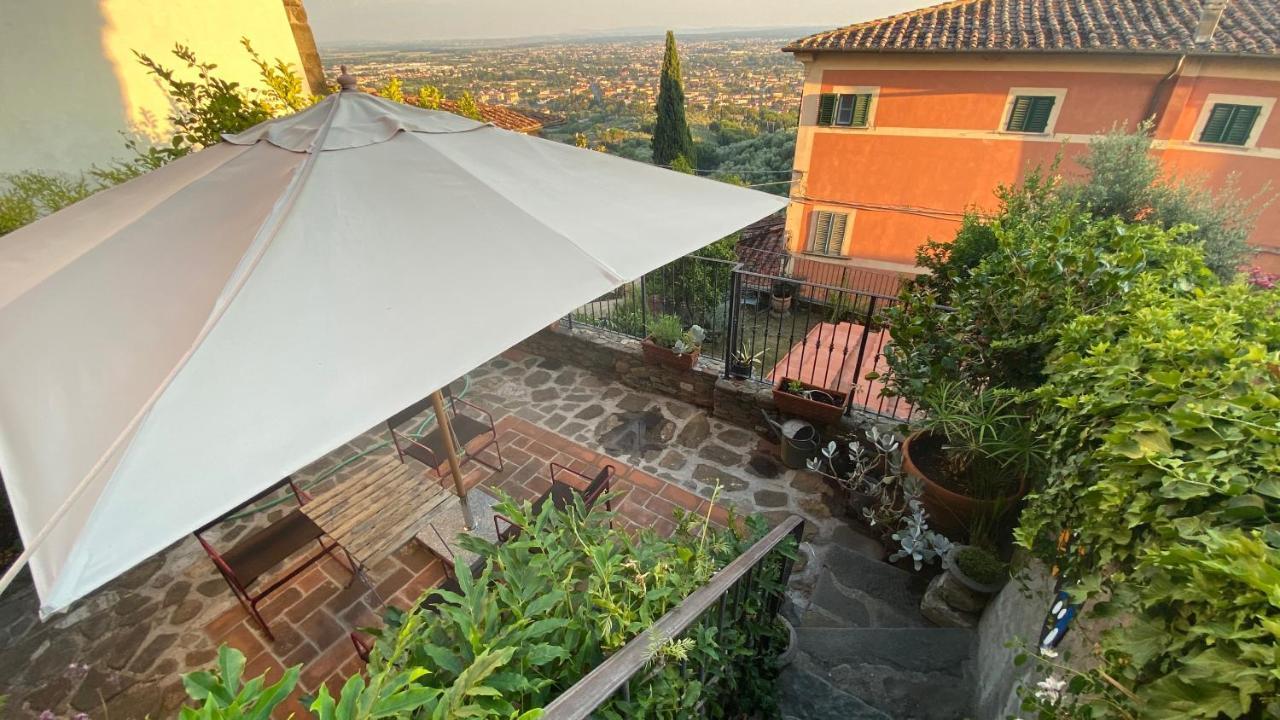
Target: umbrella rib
[(263, 241)]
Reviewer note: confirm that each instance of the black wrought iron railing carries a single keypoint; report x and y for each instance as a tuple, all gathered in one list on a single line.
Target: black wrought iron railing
[(820, 270), (739, 596), (830, 335)]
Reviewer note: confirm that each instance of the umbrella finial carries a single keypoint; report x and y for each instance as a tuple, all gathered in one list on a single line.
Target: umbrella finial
[(345, 81)]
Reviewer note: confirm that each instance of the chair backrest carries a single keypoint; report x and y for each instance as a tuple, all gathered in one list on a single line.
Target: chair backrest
[(288, 480), (409, 413), (417, 409), (597, 486)]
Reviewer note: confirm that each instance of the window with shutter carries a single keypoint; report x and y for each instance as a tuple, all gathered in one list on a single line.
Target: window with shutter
[(1030, 113), (1230, 124), (844, 110), (828, 232), (861, 110), (826, 108)]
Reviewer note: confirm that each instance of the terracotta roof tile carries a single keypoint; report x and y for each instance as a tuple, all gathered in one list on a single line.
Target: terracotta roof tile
[(1247, 27)]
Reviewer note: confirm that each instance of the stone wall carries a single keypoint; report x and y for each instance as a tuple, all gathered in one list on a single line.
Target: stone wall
[(1017, 612), (620, 358)]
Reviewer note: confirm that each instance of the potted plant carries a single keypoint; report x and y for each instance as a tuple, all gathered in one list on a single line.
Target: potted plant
[(974, 452), (669, 344), (821, 405), (865, 470), (783, 290), (976, 568), (741, 361)]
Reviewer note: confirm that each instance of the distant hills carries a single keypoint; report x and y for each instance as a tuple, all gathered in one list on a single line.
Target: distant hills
[(619, 35)]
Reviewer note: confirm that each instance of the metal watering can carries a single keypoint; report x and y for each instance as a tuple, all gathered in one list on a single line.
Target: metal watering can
[(799, 440)]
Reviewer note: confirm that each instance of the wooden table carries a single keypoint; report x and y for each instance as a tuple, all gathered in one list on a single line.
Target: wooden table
[(372, 515)]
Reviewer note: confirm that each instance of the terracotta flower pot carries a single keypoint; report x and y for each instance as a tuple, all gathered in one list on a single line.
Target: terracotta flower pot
[(780, 304), (950, 512), (799, 406), (659, 355)]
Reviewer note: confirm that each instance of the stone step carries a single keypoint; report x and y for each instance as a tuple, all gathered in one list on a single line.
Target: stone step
[(920, 650), (876, 578), (835, 605), (906, 673), (803, 694)]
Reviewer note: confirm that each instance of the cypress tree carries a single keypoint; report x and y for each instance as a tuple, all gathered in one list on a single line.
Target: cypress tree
[(671, 138)]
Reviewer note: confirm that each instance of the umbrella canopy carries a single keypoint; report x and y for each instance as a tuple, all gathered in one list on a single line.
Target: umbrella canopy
[(171, 346)]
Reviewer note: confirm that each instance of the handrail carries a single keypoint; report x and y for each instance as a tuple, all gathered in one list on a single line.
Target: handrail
[(597, 686)]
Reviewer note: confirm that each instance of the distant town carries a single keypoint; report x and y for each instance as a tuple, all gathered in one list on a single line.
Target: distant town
[(740, 88)]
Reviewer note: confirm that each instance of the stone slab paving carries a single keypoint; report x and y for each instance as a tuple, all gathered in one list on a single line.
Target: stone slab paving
[(119, 652)]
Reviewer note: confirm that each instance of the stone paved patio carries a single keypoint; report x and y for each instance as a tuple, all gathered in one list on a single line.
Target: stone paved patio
[(119, 652)]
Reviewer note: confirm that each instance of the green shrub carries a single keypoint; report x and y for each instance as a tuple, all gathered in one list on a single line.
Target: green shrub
[(1005, 314), (28, 196), (1125, 180), (1164, 421), (553, 604)]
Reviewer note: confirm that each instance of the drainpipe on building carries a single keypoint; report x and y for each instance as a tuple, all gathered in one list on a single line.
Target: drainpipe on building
[(1210, 16), (1158, 106)]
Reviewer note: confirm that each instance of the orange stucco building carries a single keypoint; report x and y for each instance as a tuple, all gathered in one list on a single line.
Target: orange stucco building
[(908, 121)]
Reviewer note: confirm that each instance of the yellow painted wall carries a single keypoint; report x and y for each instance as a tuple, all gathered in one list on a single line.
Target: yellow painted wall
[(70, 84)]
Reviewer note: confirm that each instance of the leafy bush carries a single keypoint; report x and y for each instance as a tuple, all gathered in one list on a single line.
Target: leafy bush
[(1162, 413), (553, 604), (1125, 180), (1005, 314), (29, 196)]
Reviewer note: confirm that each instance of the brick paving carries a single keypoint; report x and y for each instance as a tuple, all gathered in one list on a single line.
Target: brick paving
[(312, 616), (119, 653)]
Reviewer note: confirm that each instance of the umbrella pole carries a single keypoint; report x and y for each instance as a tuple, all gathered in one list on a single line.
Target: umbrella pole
[(451, 450)]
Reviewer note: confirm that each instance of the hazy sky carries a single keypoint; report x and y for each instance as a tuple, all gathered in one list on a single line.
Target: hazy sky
[(394, 20)]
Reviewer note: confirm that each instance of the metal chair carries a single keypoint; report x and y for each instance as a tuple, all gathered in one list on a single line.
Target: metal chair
[(263, 549), (561, 495), (429, 449)]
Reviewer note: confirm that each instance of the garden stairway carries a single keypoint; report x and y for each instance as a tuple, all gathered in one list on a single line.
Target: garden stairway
[(866, 653)]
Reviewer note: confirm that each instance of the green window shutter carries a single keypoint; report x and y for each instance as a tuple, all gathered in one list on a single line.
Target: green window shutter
[(835, 239), (1230, 124), (1018, 116), (1216, 127), (821, 230), (826, 108), (861, 110), (1242, 124), (1030, 113), (828, 232)]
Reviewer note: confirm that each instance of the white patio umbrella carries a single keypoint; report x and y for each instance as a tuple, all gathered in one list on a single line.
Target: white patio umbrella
[(172, 346)]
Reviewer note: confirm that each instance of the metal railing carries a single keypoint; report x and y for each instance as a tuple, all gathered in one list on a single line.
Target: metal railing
[(829, 335), (824, 335), (722, 601), (819, 270)]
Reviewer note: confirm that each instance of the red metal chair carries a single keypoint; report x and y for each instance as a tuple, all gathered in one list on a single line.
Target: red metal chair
[(263, 549), (429, 449), (561, 495)]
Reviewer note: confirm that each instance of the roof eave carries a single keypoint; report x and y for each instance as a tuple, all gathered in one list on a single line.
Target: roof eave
[(1163, 52)]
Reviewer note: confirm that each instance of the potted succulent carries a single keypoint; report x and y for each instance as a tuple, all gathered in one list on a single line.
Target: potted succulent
[(974, 453), (669, 344), (821, 405), (976, 568), (866, 469), (742, 360), (783, 290)]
